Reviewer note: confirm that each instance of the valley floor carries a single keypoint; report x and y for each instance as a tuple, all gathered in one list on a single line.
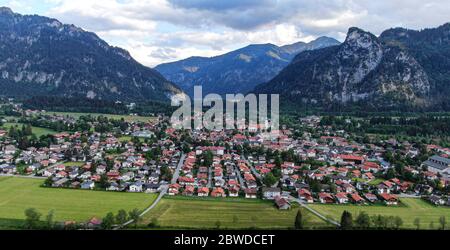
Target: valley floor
[(18, 194)]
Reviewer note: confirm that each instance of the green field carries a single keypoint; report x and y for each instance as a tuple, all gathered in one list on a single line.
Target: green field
[(18, 194), (74, 164), (199, 213), (128, 118), (375, 182), (36, 130), (410, 209)]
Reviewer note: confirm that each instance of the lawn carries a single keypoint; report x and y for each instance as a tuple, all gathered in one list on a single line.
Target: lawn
[(129, 138), (411, 208), (36, 130), (18, 194), (74, 164), (200, 213), (128, 118), (375, 182)]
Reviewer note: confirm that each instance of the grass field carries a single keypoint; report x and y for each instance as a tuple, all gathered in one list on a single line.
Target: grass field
[(18, 194), (74, 164), (376, 182), (410, 210), (36, 130), (199, 213), (128, 118)]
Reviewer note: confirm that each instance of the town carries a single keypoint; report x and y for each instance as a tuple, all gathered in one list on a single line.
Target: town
[(314, 164)]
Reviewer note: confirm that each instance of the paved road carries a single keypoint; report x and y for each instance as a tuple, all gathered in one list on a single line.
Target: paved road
[(210, 175), (302, 204), (409, 196), (50, 166), (238, 173), (24, 176), (255, 173), (177, 170), (163, 192)]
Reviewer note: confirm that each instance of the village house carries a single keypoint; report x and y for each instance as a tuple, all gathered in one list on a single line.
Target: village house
[(218, 192), (135, 187), (326, 198), (188, 191), (389, 199), (203, 192), (341, 198), (270, 193), (305, 195), (88, 185), (174, 189), (250, 193), (436, 200), (282, 203)]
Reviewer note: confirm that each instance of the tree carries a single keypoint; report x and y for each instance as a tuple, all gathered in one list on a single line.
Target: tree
[(121, 217), (346, 220), (103, 183), (270, 180), (218, 224), (299, 220), (50, 219), (32, 218), (442, 222), (417, 223), (390, 174), (398, 222), (135, 216), (108, 221), (48, 182), (153, 223), (363, 221)]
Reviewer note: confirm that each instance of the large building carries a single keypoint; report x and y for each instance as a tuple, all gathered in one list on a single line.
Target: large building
[(438, 165)]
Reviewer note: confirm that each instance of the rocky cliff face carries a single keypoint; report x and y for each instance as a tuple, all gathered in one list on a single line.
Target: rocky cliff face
[(363, 69), (41, 56)]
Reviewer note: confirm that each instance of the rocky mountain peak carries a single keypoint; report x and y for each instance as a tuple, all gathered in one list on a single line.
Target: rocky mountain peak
[(357, 37), (6, 11)]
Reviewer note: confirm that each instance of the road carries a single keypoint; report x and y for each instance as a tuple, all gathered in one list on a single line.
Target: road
[(238, 173), (177, 170), (409, 196), (254, 172), (163, 192), (41, 171), (24, 176), (210, 175), (302, 204)]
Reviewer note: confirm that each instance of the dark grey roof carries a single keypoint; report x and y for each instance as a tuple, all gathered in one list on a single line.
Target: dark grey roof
[(271, 189), (432, 164), (440, 159)]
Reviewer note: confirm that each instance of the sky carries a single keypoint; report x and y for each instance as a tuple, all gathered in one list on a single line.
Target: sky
[(159, 31)]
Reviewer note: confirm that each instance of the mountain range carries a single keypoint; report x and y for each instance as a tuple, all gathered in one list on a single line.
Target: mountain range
[(399, 69), (40, 56), (239, 71)]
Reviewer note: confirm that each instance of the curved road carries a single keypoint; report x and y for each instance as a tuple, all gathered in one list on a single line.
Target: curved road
[(302, 204), (163, 192)]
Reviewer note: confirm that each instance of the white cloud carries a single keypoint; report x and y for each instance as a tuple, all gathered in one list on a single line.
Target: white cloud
[(156, 31)]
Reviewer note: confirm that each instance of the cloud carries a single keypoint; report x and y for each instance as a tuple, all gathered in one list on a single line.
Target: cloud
[(221, 5), (156, 31)]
